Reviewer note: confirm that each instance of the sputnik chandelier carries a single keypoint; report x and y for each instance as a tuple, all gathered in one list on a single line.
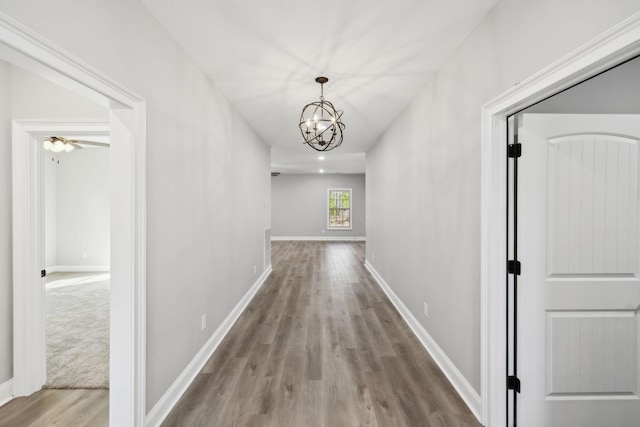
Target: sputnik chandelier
[(320, 123)]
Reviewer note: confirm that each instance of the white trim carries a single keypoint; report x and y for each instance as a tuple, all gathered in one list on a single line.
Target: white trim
[(77, 268), (23, 47), (616, 45), (6, 392), (174, 393), (320, 238), (350, 190), (455, 377), (29, 362)]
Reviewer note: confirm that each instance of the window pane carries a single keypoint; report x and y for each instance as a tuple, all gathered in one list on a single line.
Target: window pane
[(340, 209)]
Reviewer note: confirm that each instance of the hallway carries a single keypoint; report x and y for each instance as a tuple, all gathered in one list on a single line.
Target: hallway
[(320, 345)]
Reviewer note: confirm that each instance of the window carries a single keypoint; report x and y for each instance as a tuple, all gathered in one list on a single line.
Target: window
[(339, 210)]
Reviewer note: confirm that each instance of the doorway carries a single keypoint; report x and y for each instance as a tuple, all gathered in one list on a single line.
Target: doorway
[(21, 47), (76, 253), (612, 48), (575, 228)]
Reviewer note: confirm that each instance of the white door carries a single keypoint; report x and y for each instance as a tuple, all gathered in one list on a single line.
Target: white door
[(579, 291)]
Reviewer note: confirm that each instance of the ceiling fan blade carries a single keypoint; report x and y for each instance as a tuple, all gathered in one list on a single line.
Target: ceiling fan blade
[(92, 143)]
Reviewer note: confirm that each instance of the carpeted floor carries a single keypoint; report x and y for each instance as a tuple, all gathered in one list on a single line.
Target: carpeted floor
[(78, 330)]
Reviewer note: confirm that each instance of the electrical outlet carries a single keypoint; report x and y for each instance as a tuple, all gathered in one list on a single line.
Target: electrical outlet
[(255, 269), (322, 231), (204, 321), (373, 256), (426, 310), (84, 255)]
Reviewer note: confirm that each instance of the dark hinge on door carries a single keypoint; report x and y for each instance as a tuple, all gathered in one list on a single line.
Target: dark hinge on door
[(513, 383), (514, 151), (513, 267), (43, 273)]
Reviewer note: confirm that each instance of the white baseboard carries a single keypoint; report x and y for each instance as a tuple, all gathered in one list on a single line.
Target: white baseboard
[(6, 392), (455, 377), (78, 268), (320, 238), (166, 403)]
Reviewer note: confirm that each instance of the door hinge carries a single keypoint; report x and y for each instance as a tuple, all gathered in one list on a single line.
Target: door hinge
[(43, 273), (513, 383), (513, 267), (514, 150)]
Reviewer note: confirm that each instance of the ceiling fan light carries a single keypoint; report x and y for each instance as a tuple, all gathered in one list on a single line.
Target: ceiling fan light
[(58, 146), (68, 147), (48, 145)]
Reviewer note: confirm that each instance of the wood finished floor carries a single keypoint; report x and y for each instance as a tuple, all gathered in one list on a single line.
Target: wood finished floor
[(320, 345), (64, 408)]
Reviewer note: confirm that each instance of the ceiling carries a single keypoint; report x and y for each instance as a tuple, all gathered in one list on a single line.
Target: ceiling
[(264, 57)]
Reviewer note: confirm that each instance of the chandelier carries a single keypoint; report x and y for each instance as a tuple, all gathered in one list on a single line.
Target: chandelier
[(320, 123)]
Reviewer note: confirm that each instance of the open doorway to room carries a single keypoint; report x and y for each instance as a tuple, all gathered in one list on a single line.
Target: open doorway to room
[(577, 214), (77, 260), (509, 399), (123, 119)]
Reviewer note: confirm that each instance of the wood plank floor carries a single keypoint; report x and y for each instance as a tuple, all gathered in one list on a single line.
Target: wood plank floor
[(320, 345), (72, 408)]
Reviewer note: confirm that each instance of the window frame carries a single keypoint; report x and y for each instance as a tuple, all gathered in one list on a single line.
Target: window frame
[(328, 209)]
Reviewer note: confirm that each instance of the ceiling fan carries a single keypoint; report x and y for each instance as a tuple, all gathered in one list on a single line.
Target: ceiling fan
[(59, 144)]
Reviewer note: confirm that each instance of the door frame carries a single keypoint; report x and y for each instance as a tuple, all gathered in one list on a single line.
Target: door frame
[(23, 47), (29, 314), (620, 43)]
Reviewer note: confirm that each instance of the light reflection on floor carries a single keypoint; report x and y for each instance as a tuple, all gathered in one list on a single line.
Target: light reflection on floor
[(84, 279)]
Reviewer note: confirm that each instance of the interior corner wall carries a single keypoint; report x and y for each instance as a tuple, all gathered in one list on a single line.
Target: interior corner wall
[(430, 159), (6, 251), (207, 174), (299, 205)]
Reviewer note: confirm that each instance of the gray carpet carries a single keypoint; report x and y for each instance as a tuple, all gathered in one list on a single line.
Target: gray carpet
[(78, 330)]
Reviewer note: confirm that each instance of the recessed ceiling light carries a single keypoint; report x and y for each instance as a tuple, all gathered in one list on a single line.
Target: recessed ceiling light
[(320, 157), (321, 170)]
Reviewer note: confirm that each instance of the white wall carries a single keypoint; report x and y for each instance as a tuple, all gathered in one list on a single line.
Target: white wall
[(299, 205), (6, 258), (430, 159), (207, 173), (83, 221), (33, 98)]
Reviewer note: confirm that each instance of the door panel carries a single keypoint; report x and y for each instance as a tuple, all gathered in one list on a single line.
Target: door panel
[(592, 354), (592, 200), (579, 290)]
